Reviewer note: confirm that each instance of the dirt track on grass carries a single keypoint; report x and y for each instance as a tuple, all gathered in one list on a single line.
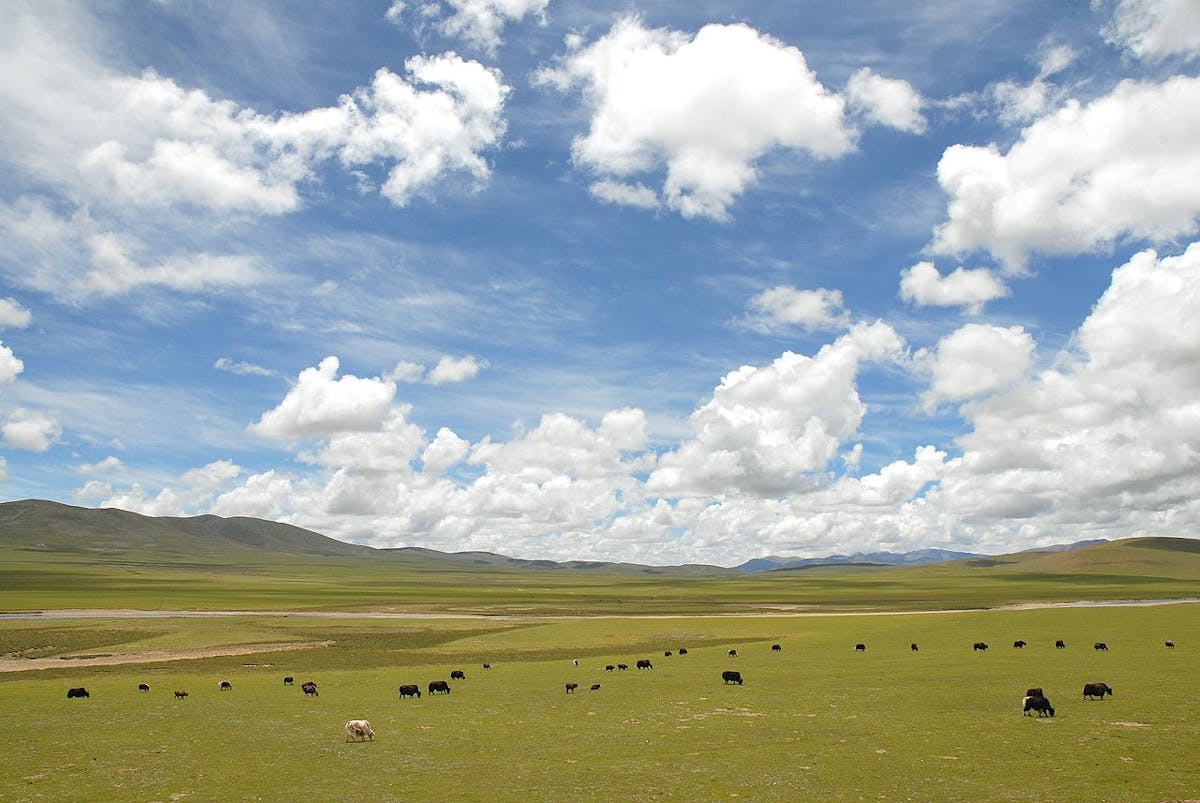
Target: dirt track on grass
[(154, 656)]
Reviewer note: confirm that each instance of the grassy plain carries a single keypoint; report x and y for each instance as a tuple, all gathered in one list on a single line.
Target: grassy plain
[(250, 580), (816, 721)]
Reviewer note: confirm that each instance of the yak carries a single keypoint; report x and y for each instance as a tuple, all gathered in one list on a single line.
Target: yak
[(439, 687), (730, 676), (359, 729), (1039, 704), (410, 690), (1093, 690), (78, 691)]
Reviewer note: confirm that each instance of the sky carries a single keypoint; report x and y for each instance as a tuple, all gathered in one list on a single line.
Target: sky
[(670, 282)]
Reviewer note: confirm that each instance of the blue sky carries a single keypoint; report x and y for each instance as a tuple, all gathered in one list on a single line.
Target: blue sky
[(679, 282)]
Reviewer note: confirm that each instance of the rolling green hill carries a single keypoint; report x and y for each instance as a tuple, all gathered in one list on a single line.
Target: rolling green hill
[(57, 556)]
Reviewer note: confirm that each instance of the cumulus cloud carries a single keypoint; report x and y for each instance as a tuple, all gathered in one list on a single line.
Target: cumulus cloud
[(31, 430), (977, 360), (445, 450), (189, 148), (819, 309), (1155, 29), (213, 475), (886, 101), (1103, 443), (110, 463), (13, 315), (321, 403), (406, 371), (455, 369), (448, 370), (261, 496), (765, 428), (1022, 103), (1109, 437), (10, 365), (479, 22), (969, 288), (1122, 166), (702, 107)]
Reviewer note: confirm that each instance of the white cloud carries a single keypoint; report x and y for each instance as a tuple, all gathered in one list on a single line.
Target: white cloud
[(702, 107), (1154, 29), (406, 371), (392, 447), (561, 445), (146, 141), (321, 404), (13, 315), (479, 22), (110, 463), (819, 309), (31, 430), (766, 428), (455, 369), (242, 368), (977, 360), (79, 257), (434, 123), (886, 101), (213, 475), (261, 496), (444, 451), (1022, 103), (1122, 166), (93, 491), (10, 365), (135, 500), (624, 194), (1107, 442), (924, 286)]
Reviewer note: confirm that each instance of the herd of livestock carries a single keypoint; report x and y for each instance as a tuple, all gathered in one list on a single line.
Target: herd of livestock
[(1034, 701)]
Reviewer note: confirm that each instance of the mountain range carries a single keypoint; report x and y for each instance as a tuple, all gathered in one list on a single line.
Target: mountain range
[(45, 526)]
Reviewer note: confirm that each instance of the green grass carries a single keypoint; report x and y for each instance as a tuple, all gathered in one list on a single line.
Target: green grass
[(1139, 568), (817, 721)]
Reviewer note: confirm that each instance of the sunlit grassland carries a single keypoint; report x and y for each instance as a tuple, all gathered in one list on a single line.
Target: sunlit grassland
[(51, 581), (815, 721)]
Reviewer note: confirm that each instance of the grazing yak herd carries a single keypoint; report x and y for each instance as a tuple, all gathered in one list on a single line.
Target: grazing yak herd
[(1034, 701)]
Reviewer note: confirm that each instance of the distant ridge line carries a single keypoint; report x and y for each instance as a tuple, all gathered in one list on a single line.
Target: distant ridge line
[(48, 526)]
